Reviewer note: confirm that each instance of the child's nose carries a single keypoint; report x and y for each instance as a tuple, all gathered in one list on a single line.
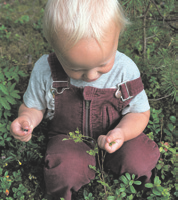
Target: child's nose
[(92, 74)]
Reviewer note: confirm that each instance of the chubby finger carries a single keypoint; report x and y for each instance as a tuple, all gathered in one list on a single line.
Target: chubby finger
[(102, 141), (113, 135), (113, 146), (21, 130), (26, 128)]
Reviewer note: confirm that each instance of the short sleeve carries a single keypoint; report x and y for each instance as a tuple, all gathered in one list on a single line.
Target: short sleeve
[(34, 96), (129, 71), (138, 104)]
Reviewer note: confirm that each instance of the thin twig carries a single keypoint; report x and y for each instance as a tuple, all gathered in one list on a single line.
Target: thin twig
[(164, 19), (151, 37), (34, 136), (158, 9), (160, 98), (161, 129), (102, 170), (144, 32)]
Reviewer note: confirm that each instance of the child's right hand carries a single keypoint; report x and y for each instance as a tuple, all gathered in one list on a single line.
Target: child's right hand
[(21, 129)]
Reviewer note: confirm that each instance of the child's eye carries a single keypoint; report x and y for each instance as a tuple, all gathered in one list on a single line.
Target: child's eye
[(76, 70), (103, 65)]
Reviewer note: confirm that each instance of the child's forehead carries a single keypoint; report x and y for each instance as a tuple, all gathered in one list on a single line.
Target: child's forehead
[(111, 35), (89, 52)]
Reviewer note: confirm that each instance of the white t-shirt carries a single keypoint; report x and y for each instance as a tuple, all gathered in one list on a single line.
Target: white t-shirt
[(38, 94)]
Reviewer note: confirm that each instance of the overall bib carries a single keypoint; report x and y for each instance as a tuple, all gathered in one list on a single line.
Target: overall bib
[(94, 112)]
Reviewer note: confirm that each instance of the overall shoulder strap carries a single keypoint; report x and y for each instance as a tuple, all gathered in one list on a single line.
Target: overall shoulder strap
[(128, 89), (60, 78)]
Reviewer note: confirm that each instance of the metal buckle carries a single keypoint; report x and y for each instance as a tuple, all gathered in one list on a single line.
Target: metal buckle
[(54, 89), (119, 88)]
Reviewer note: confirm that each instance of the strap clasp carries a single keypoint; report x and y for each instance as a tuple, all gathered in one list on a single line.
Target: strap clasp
[(63, 87), (119, 90)]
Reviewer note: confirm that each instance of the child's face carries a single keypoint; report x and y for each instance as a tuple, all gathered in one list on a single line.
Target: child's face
[(87, 60)]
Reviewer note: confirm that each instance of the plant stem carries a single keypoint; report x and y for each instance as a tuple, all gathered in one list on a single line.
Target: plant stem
[(144, 33)]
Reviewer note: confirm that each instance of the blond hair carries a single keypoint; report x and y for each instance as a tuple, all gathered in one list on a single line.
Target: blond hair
[(77, 19)]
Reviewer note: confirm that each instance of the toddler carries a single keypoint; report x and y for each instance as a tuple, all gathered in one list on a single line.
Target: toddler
[(87, 84)]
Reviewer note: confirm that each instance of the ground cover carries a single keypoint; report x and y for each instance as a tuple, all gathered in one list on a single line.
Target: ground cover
[(149, 41)]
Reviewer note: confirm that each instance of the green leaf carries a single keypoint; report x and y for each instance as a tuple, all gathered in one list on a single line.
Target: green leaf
[(159, 166), (130, 197), (77, 131), (122, 189), (123, 179), (111, 198), (16, 77), (171, 127), (149, 185), (16, 69), (1, 171), (65, 139), (12, 87), (123, 194), (91, 152), (5, 104), (11, 100), (132, 189), (1, 76), (128, 176), (22, 74), (137, 182), (3, 130), (156, 192), (3, 89), (168, 133), (173, 119), (131, 182), (103, 183), (133, 176), (92, 167), (5, 135), (157, 181), (2, 125), (2, 143), (111, 143), (160, 189), (85, 193), (14, 94), (8, 139)]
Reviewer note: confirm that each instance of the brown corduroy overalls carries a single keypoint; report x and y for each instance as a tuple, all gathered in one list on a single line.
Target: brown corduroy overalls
[(94, 112)]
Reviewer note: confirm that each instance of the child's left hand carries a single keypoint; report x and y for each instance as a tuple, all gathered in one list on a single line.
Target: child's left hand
[(112, 141)]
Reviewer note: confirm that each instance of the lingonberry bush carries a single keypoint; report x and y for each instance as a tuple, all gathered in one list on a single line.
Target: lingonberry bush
[(149, 40)]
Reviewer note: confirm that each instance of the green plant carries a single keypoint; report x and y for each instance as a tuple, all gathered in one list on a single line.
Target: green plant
[(4, 33), (112, 189), (149, 40), (87, 196), (168, 79), (124, 187), (158, 192), (19, 192), (154, 87), (155, 124), (15, 154), (8, 180), (8, 96), (23, 19)]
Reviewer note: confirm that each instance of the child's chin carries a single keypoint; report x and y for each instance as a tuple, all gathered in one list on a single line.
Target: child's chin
[(92, 80)]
